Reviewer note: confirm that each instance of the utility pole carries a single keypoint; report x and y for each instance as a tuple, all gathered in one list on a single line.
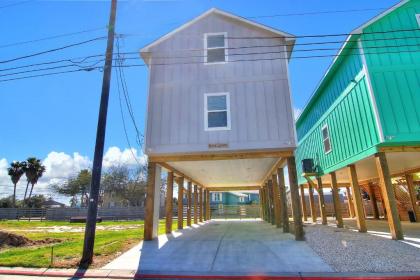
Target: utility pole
[(99, 146)]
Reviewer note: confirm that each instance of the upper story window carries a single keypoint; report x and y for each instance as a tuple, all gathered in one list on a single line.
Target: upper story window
[(418, 19), (326, 139), (216, 111), (215, 48)]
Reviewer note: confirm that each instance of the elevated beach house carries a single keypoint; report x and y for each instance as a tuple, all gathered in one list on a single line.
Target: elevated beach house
[(219, 116), (361, 128)]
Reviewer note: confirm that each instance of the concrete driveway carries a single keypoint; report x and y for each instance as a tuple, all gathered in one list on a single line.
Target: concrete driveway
[(224, 247)]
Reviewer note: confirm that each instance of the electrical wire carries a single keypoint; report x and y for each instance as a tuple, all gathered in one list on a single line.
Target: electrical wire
[(93, 64), (83, 59), (50, 37), (53, 50), (231, 61), (294, 36), (318, 13), (139, 136)]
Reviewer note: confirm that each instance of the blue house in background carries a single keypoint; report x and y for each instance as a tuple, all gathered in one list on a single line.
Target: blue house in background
[(233, 198)]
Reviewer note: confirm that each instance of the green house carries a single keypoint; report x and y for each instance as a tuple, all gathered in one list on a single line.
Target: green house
[(362, 123)]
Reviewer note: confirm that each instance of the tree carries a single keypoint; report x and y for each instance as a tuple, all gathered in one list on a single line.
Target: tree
[(33, 171), (36, 201), (120, 184), (15, 172), (7, 202), (75, 186)]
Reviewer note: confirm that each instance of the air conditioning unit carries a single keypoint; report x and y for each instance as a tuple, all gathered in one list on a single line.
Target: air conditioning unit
[(308, 165)]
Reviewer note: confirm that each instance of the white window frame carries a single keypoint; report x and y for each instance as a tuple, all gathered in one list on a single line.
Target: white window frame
[(217, 197), (206, 111), (418, 19), (324, 139), (206, 48)]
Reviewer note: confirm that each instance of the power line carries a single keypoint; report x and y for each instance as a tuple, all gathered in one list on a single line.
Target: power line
[(318, 13), (50, 37), (83, 59), (93, 64), (15, 4), (298, 36), (126, 94), (52, 50), (231, 61), (123, 120)]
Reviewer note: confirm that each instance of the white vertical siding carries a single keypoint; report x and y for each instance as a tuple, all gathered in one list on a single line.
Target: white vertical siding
[(261, 114)]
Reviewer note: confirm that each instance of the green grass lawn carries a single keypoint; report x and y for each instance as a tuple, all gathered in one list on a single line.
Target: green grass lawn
[(109, 243)]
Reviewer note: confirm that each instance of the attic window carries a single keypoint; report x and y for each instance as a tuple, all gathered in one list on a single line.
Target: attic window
[(326, 139), (215, 45)]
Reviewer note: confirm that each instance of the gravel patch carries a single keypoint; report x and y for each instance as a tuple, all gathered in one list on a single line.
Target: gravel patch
[(349, 251)]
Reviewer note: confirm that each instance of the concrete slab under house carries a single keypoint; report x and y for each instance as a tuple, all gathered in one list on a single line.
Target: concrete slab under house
[(360, 131)]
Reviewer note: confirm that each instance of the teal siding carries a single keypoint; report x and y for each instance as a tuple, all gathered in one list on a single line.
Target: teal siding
[(345, 70), (395, 76), (352, 128)]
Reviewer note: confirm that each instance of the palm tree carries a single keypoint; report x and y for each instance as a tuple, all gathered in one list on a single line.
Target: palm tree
[(33, 171), (16, 171)]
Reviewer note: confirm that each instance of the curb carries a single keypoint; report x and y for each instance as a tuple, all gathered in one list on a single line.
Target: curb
[(114, 274)]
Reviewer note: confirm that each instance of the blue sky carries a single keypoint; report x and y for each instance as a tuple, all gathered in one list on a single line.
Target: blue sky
[(59, 113)]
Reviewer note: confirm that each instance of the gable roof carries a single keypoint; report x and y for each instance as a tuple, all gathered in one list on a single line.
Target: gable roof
[(354, 33), (290, 39)]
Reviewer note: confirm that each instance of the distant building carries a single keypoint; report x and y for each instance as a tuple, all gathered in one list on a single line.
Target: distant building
[(50, 203), (233, 198)]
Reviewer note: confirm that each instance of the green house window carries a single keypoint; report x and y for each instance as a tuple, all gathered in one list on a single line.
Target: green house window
[(326, 139)]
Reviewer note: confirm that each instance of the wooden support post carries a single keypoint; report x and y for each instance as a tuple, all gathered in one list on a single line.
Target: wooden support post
[(169, 201), (148, 218), (189, 202), (283, 199), (321, 201), (266, 204), (276, 201), (382, 202), (294, 194), (205, 204), (336, 200), (181, 203), (208, 210), (303, 202), (389, 196), (200, 193), (265, 209), (350, 203), (195, 204), (357, 199), (272, 207), (413, 197), (373, 201), (260, 193), (312, 202)]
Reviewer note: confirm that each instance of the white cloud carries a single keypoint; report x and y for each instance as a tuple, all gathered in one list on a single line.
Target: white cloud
[(115, 157), (61, 165)]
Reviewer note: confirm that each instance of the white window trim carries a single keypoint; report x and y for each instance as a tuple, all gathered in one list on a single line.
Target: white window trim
[(418, 19), (323, 139), (225, 47), (206, 123)]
